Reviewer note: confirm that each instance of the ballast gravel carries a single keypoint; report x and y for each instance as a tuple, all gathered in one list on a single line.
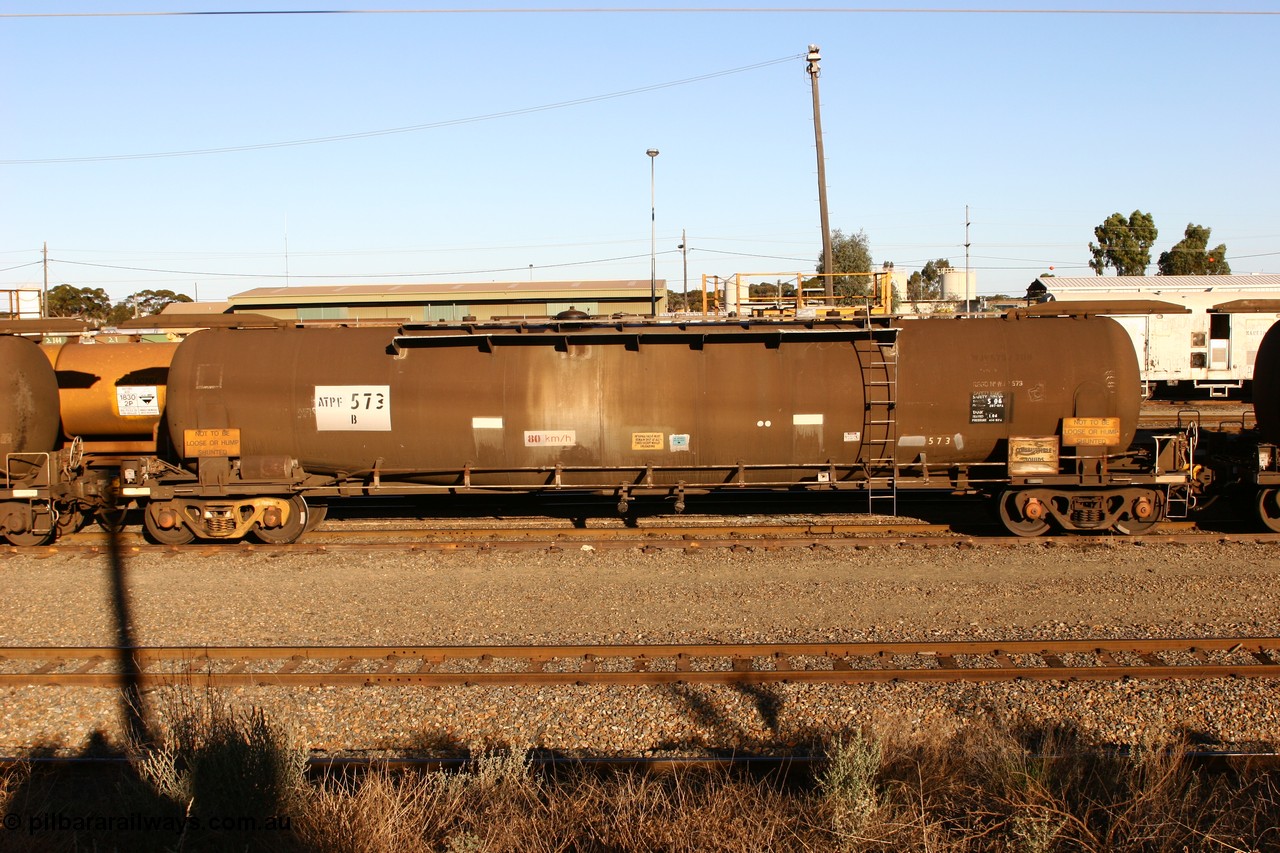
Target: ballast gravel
[(1052, 590)]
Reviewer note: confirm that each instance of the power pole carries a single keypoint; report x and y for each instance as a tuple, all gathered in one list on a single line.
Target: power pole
[(653, 239), (828, 283), (684, 253), (969, 297), (44, 294)]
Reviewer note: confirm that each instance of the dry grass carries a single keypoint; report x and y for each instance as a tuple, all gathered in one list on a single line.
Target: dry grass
[(979, 789)]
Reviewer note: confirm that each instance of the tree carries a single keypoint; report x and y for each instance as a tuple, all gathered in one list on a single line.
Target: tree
[(1191, 255), (776, 290), (850, 254), (1124, 243), (94, 304), (926, 285), (83, 302), (144, 303)]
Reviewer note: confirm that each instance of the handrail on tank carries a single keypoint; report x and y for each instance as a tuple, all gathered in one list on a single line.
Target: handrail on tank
[(687, 334)]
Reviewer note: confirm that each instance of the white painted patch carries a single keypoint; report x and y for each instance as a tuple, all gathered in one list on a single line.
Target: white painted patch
[(358, 408), (486, 423), (806, 420)]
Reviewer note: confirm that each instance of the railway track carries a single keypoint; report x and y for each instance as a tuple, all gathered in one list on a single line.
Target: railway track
[(1216, 415), (635, 665), (502, 536)]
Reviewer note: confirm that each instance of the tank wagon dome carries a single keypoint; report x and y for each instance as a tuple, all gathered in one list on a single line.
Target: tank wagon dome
[(29, 415)]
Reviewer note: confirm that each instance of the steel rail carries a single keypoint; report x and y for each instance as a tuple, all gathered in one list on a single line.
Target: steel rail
[(796, 663), (691, 538), (421, 531)]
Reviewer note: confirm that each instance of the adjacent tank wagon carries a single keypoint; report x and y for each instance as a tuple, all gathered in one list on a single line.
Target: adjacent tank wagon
[(28, 441), (1266, 407), (111, 395)]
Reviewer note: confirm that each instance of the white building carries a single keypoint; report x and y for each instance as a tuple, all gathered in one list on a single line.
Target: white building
[(1213, 346)]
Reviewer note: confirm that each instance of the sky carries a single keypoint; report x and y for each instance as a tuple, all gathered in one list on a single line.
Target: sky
[(427, 142)]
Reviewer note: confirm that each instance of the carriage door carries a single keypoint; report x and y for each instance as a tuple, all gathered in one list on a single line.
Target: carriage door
[(1219, 342)]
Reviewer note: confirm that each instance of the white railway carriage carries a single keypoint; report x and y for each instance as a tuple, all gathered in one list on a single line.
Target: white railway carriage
[(1211, 343)]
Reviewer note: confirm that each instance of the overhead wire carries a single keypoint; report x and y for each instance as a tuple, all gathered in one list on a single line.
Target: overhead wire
[(349, 276), (368, 134), (662, 10), (20, 266), (544, 107)]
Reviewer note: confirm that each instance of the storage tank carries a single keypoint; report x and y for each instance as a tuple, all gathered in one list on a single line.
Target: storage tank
[(29, 413), (538, 406), (959, 285)]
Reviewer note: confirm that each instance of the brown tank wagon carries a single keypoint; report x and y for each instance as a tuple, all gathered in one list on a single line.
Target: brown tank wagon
[(1266, 408), (29, 416), (28, 439), (1039, 412)]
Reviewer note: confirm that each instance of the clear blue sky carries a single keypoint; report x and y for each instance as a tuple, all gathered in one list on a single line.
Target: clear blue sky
[(530, 130)]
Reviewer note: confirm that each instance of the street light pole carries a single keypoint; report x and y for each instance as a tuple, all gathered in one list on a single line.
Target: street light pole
[(653, 238), (828, 263)]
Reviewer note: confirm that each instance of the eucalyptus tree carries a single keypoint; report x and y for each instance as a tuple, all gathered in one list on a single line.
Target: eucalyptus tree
[(1124, 243)]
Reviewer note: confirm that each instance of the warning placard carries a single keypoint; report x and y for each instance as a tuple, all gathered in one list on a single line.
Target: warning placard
[(646, 440), (1102, 432), (137, 401), (1030, 456), (210, 442), (989, 408)]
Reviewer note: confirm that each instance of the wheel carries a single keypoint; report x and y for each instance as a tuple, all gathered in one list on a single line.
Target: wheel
[(294, 526), (1269, 509), (316, 514), (111, 519), (177, 534), (1131, 526), (70, 520), (1014, 521), (30, 538), (19, 515)]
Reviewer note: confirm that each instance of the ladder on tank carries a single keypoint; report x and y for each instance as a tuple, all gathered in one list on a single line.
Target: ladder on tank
[(879, 365)]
